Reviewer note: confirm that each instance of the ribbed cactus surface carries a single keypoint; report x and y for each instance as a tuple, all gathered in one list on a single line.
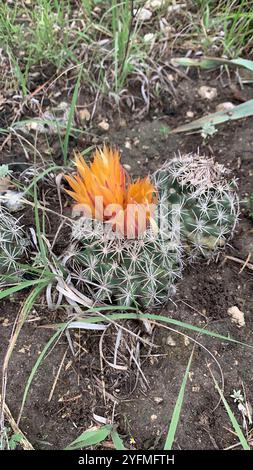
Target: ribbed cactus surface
[(198, 203), (129, 271), (12, 242), (196, 211)]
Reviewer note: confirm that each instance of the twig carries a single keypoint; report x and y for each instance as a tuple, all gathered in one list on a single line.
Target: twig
[(57, 376), (240, 261), (25, 444), (245, 264)]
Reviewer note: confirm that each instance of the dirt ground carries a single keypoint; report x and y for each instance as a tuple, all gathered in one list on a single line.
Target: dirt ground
[(143, 408)]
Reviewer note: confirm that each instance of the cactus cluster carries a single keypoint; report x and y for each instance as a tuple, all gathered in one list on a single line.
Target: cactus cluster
[(12, 242), (196, 213), (197, 199), (129, 272)]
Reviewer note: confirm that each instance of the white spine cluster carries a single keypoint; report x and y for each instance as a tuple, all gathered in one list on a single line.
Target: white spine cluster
[(12, 242)]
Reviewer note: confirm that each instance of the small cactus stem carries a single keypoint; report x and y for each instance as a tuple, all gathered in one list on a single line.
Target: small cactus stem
[(198, 191), (132, 272), (12, 242)]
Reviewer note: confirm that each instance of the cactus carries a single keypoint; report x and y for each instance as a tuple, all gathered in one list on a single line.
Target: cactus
[(119, 256), (195, 195), (131, 272), (12, 242), (195, 212)]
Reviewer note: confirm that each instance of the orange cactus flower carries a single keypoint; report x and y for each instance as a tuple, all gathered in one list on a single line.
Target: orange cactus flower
[(104, 191)]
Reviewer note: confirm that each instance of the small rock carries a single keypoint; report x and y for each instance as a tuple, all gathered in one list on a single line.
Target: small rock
[(153, 4), (127, 167), (143, 14), (158, 400), (207, 92), (170, 341), (191, 375), (104, 125), (176, 8), (186, 341), (128, 145), (149, 37), (237, 316), (153, 418), (84, 115), (190, 114), (122, 123), (227, 106)]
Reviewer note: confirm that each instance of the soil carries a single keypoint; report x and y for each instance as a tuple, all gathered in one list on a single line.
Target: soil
[(143, 403)]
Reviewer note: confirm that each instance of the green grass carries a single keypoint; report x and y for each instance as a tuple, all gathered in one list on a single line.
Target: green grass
[(178, 408), (36, 38), (244, 443), (48, 32), (108, 40), (92, 437), (65, 144), (228, 25)]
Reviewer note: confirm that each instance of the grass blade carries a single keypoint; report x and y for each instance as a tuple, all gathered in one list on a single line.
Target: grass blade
[(177, 409), (24, 285), (35, 367), (71, 116), (157, 318), (42, 245), (232, 417), (117, 441), (90, 438), (211, 62), (238, 112), (26, 308)]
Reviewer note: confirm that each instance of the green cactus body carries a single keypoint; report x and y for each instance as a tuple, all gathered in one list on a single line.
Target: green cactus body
[(196, 198), (130, 272), (196, 214), (12, 242)]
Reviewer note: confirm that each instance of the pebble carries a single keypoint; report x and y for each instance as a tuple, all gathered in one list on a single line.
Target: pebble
[(127, 167), (153, 4), (227, 106), (84, 115), (170, 341), (237, 316), (153, 418), (186, 341), (190, 114), (143, 14), (207, 92), (149, 37), (128, 145), (104, 125), (158, 400)]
